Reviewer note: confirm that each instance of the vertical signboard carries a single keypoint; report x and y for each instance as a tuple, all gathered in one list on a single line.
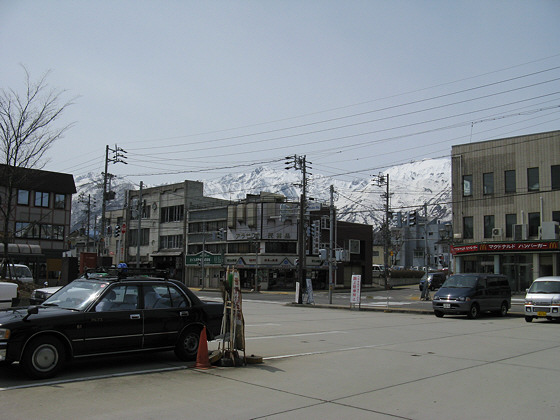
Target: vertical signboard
[(355, 295)]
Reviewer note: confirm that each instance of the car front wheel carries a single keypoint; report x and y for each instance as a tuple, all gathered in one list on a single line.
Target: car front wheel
[(528, 319), (187, 346), (439, 314), (43, 357)]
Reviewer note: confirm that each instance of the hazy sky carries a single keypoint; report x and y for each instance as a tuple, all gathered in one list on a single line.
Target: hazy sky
[(198, 89)]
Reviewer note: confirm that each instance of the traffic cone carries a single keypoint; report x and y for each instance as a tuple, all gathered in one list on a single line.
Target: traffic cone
[(202, 360)]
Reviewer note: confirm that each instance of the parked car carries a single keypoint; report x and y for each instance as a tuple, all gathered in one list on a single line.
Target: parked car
[(38, 296), (543, 299), (377, 270), (473, 293), (20, 273), (103, 316), (8, 294), (435, 280)]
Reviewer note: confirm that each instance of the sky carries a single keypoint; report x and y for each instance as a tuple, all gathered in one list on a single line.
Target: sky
[(199, 89)]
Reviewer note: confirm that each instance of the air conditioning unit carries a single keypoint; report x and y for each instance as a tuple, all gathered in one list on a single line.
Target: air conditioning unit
[(520, 232), (549, 231), (497, 233)]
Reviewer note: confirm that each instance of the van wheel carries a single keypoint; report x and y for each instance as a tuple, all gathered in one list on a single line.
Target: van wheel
[(504, 309), (474, 311), (528, 319), (439, 314)]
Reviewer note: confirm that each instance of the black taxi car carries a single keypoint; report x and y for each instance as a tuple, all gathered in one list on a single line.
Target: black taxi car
[(103, 316)]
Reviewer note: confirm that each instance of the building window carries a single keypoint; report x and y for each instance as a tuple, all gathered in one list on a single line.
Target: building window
[(509, 177), (555, 176), (488, 226), (23, 197), (59, 201), (488, 183), (534, 223), (511, 219), (468, 232), (533, 179), (172, 214), (41, 199), (467, 185), (23, 230), (170, 241), (556, 216), (144, 237)]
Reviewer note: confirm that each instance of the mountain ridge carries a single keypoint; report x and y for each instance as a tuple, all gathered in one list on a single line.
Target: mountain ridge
[(411, 185)]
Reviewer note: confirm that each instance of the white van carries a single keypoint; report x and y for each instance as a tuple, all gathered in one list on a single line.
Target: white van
[(377, 270), (543, 299), (19, 272), (8, 294)]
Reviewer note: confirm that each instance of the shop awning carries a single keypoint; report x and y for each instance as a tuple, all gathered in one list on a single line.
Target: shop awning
[(21, 249), (167, 254)]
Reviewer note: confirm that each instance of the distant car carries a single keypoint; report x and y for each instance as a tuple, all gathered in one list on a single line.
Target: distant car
[(91, 317), (8, 294), (435, 280), (38, 296), (543, 299)]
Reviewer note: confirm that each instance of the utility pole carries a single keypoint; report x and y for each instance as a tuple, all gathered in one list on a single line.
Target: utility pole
[(118, 156), (331, 245), (299, 163), (140, 210), (384, 180)]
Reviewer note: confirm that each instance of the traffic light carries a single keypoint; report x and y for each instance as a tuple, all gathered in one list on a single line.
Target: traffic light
[(117, 231), (221, 235), (412, 218)]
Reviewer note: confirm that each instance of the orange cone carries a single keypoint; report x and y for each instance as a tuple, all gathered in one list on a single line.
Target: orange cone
[(202, 359)]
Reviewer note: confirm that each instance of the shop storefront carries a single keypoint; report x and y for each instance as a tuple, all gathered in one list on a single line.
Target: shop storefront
[(522, 262)]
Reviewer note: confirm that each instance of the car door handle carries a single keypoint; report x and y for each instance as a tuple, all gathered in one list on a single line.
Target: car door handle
[(184, 313), (135, 316)]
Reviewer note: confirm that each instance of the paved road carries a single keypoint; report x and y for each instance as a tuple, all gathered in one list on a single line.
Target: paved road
[(401, 299), (321, 364)]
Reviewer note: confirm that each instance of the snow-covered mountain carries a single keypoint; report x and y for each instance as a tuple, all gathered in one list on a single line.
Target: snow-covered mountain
[(411, 186)]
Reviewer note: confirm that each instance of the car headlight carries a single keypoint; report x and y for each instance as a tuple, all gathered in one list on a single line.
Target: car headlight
[(463, 298), (4, 333), (436, 297), (528, 302)]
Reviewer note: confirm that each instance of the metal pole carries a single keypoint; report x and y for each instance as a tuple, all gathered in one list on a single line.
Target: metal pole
[(101, 251), (140, 209), (386, 236), (331, 245)]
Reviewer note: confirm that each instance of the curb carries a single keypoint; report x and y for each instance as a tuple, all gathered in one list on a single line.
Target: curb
[(381, 309)]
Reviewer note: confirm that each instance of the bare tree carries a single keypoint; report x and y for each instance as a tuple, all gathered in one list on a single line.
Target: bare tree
[(27, 131)]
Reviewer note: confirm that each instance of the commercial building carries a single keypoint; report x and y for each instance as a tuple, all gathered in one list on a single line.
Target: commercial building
[(196, 238), (506, 207), (39, 217)]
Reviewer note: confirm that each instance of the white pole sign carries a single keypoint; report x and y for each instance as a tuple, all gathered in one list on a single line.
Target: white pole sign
[(355, 294)]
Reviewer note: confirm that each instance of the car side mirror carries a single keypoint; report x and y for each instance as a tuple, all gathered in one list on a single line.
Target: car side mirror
[(31, 310)]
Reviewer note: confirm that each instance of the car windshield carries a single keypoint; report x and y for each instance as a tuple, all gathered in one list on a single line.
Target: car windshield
[(545, 287), (460, 281), (76, 295)]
